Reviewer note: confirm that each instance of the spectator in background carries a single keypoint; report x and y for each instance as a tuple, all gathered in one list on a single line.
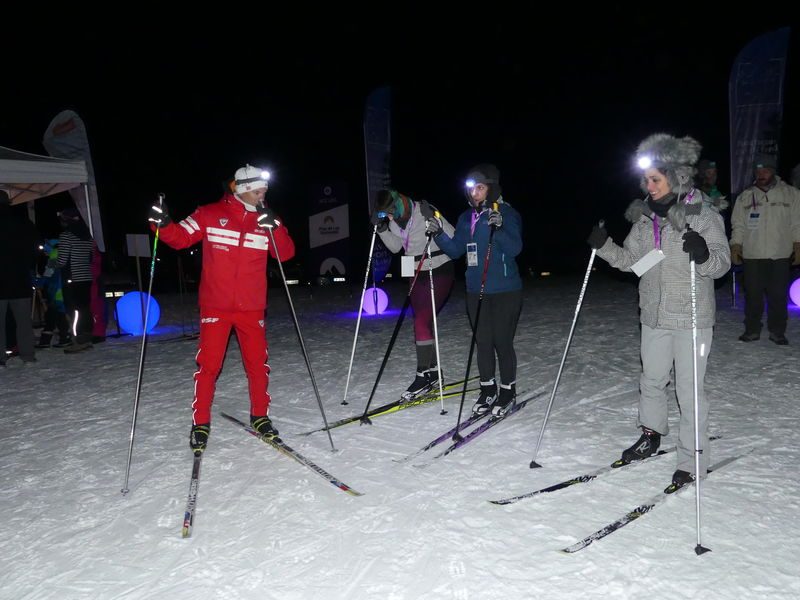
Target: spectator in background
[(97, 302), (706, 182), (55, 316), (766, 239), (796, 176), (18, 246), (75, 247)]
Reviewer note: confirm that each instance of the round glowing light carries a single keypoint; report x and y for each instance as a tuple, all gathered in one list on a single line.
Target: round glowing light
[(375, 301), (470, 183), (129, 312), (644, 162), (794, 292), (265, 175)]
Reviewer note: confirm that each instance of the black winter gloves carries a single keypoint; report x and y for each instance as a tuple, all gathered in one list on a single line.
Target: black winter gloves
[(598, 237), (696, 246), (266, 218)]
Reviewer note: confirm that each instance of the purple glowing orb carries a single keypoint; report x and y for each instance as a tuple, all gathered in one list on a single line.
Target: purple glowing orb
[(375, 301), (794, 292)]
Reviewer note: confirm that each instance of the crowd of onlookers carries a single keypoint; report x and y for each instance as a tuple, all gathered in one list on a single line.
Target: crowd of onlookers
[(57, 280)]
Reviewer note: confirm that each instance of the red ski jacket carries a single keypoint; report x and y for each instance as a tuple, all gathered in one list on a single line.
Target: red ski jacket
[(234, 275)]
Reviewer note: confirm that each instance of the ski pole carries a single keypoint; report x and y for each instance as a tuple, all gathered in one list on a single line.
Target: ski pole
[(141, 354), (403, 311), (699, 548), (360, 308), (300, 337), (436, 214), (457, 435), (534, 464)]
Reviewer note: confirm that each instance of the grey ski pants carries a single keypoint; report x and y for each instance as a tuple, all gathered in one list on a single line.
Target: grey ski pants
[(661, 348)]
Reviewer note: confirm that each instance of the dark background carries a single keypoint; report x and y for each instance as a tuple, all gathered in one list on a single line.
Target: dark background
[(559, 103)]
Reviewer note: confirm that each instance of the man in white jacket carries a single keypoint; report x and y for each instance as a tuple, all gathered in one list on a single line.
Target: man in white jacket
[(765, 238)]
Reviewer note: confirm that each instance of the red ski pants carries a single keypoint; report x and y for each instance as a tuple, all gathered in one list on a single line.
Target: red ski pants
[(215, 330)]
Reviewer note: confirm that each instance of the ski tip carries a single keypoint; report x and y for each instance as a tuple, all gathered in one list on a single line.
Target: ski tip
[(535, 465)]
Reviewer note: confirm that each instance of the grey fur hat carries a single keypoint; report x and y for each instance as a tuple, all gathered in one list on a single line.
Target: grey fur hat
[(675, 157)]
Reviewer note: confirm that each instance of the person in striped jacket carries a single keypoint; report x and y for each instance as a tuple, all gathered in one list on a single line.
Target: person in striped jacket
[(75, 247), (233, 290)]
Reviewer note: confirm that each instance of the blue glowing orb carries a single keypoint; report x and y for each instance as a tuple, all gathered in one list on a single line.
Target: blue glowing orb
[(375, 301), (129, 312), (794, 292)]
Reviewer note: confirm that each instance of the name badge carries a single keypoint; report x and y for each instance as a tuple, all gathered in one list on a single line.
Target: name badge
[(406, 266), (472, 254), (647, 262), (752, 222)]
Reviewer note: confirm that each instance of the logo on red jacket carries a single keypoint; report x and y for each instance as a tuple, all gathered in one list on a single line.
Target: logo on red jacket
[(223, 222)]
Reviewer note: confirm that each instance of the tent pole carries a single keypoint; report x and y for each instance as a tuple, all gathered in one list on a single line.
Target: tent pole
[(88, 208)]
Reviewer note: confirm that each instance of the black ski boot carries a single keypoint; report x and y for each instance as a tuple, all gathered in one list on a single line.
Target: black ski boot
[(645, 447), (198, 438), (45, 339), (679, 479), (263, 425), (505, 401), (421, 384), (486, 399)]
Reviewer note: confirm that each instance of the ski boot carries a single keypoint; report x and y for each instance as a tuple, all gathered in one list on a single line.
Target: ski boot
[(505, 401), (486, 399), (421, 384), (645, 447), (679, 479), (263, 425), (198, 438)]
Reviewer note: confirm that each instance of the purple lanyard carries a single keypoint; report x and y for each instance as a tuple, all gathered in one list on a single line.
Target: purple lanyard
[(405, 234), (475, 217), (656, 232)]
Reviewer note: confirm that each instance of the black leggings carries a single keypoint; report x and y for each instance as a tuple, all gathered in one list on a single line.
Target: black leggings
[(77, 299), (497, 325)]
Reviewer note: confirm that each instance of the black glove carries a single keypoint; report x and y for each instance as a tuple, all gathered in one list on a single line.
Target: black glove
[(696, 246), (598, 237), (433, 226), (160, 214), (380, 219), (495, 219), (266, 218), (426, 209)]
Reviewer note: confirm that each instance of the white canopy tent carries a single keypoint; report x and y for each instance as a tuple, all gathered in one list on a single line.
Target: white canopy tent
[(27, 177)]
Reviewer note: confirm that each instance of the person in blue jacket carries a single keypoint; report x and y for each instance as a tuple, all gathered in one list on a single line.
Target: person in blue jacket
[(490, 234)]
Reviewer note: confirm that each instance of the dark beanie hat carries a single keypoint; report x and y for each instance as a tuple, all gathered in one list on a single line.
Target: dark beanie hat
[(705, 164), (484, 173), (765, 161), (489, 175)]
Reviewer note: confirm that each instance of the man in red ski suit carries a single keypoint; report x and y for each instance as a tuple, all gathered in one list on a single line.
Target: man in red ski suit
[(233, 290)]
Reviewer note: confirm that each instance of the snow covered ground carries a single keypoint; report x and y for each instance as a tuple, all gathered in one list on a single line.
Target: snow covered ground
[(266, 527)]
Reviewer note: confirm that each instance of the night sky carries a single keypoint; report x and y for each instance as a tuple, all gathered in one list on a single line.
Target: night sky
[(558, 104)]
